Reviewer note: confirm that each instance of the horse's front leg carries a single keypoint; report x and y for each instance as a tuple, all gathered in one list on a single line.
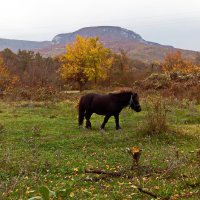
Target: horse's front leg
[(105, 121), (87, 116), (117, 122)]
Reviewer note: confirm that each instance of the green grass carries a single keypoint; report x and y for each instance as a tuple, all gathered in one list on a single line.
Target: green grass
[(41, 144)]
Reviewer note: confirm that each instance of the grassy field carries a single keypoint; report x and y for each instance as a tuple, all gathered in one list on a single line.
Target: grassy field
[(41, 144)]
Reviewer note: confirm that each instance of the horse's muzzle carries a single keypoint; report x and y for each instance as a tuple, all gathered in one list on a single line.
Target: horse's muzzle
[(138, 108)]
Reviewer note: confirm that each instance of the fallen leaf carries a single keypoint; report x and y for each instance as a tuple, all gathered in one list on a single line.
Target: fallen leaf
[(71, 194)]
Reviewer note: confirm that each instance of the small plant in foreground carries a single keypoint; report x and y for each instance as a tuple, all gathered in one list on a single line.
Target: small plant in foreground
[(135, 152), (47, 194)]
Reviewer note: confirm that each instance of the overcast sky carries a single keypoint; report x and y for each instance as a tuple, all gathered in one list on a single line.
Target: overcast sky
[(171, 22)]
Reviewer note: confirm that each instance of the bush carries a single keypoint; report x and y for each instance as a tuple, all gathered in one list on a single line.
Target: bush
[(156, 116), (31, 93), (157, 81)]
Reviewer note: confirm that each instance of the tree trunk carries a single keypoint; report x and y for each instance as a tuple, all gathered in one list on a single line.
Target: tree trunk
[(80, 86)]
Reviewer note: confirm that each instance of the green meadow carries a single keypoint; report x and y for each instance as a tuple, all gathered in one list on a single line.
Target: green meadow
[(42, 145)]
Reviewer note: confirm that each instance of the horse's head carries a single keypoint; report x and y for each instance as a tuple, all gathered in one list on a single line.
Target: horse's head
[(134, 102)]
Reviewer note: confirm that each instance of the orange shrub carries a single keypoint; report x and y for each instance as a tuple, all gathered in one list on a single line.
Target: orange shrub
[(174, 62)]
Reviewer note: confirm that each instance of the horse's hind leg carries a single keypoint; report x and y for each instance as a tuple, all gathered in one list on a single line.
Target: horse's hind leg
[(87, 117), (105, 121)]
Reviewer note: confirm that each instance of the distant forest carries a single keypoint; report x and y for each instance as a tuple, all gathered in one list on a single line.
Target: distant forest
[(87, 64)]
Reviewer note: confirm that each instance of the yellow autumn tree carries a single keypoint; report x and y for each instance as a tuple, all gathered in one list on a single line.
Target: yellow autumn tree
[(85, 60), (6, 79)]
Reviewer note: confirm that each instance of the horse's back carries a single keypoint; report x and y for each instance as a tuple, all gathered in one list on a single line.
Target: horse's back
[(97, 103)]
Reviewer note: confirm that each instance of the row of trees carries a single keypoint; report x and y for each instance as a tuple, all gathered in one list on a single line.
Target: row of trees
[(85, 61), (31, 69)]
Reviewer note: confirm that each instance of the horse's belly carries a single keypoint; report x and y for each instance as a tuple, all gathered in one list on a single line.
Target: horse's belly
[(100, 112), (103, 107)]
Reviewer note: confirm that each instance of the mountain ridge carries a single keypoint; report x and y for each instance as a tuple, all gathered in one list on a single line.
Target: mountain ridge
[(104, 31), (113, 37), (15, 44)]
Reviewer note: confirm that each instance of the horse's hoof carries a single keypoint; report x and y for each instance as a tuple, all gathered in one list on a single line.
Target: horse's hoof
[(118, 128), (89, 127), (81, 127), (102, 129)]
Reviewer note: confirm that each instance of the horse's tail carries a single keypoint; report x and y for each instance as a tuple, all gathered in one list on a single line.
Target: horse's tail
[(81, 112)]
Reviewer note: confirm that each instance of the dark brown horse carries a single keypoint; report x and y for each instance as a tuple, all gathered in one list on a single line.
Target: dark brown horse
[(108, 105)]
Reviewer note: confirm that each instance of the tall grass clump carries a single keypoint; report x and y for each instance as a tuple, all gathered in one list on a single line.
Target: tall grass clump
[(2, 128), (156, 116)]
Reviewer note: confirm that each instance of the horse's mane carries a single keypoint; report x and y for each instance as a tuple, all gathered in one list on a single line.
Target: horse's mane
[(121, 92)]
